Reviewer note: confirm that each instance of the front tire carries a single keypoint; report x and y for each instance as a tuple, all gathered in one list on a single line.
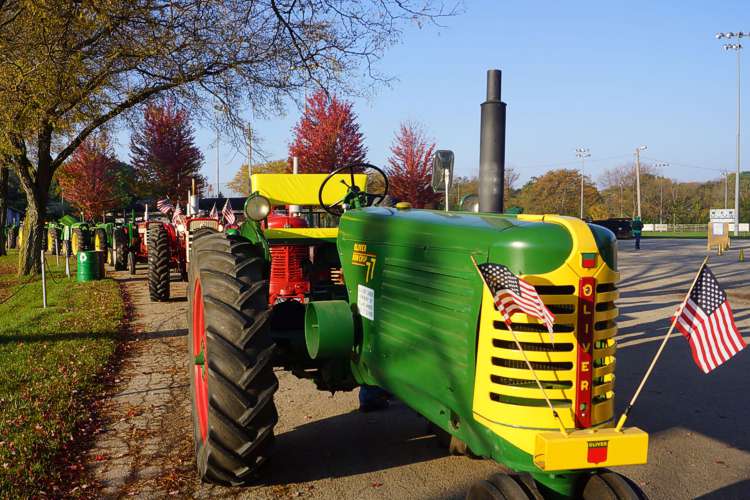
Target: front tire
[(230, 352), (608, 485), (120, 250), (158, 263), (131, 262)]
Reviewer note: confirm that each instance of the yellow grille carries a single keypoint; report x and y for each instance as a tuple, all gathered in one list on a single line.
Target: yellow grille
[(511, 396)]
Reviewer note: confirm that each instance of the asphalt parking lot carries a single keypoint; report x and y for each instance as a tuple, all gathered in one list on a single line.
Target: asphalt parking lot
[(325, 448)]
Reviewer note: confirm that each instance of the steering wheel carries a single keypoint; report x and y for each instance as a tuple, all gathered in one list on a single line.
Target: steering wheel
[(354, 193)]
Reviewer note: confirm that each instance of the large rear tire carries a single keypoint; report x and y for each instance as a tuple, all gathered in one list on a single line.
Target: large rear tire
[(100, 239), (121, 250), (230, 352), (158, 263), (78, 241), (53, 241)]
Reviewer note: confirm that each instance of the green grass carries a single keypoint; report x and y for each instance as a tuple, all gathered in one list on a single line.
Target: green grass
[(688, 234), (50, 362)]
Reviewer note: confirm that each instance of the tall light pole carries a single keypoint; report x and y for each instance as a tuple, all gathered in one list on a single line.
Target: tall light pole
[(638, 177), (661, 189), (218, 109), (582, 153), (730, 36)]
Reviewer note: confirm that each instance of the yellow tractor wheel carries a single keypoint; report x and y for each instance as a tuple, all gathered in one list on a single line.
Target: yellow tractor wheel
[(98, 242), (75, 243)]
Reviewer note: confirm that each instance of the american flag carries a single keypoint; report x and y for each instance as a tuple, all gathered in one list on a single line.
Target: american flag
[(164, 206), (707, 323), (512, 294), (228, 213), (177, 215), (214, 214)]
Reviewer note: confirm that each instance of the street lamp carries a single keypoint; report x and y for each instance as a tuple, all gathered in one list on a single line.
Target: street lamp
[(218, 108), (735, 47), (582, 153), (638, 176), (661, 165)]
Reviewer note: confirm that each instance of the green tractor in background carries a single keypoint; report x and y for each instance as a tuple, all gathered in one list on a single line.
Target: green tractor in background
[(68, 235), (112, 238)]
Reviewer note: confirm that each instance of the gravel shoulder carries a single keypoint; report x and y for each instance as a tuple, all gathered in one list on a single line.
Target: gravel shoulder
[(700, 444)]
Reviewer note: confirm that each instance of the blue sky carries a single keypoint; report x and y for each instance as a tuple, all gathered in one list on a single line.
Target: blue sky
[(609, 76)]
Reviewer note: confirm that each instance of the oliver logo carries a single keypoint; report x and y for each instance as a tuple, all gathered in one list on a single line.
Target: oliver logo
[(360, 257), (597, 451)]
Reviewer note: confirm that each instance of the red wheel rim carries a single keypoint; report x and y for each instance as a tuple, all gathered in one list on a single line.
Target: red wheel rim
[(200, 363)]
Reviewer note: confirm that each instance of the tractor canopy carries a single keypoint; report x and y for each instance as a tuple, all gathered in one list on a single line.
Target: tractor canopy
[(282, 190)]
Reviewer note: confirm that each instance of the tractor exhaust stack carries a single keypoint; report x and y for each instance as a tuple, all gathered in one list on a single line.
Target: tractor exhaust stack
[(492, 146)]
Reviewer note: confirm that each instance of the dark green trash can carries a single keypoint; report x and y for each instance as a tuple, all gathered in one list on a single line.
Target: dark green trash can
[(88, 266)]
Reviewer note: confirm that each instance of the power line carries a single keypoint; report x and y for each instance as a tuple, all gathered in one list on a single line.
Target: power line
[(571, 162)]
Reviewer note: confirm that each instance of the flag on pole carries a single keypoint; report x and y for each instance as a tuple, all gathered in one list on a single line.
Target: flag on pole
[(164, 206), (512, 294), (706, 321), (177, 215), (227, 213), (214, 214)]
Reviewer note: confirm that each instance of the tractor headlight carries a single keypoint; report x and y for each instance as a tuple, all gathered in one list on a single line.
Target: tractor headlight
[(257, 207)]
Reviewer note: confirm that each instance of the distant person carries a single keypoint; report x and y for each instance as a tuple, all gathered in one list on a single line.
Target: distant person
[(637, 227)]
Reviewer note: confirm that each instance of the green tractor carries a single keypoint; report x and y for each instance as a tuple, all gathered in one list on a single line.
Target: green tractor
[(112, 238), (392, 298)]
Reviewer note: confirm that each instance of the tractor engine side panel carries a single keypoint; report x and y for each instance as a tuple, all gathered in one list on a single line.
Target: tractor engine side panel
[(412, 279)]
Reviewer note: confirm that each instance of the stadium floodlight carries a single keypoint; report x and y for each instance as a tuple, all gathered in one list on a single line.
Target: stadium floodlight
[(582, 153), (737, 47)]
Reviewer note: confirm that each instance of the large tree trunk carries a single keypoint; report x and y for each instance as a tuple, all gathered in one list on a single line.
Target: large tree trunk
[(3, 206), (35, 183), (30, 254)]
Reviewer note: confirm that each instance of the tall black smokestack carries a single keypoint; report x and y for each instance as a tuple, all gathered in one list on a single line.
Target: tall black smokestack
[(492, 146)]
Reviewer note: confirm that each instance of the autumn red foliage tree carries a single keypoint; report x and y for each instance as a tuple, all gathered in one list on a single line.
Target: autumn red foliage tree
[(164, 153), (327, 136), (92, 180), (409, 167)]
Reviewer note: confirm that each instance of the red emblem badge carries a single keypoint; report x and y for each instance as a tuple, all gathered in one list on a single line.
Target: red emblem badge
[(597, 451)]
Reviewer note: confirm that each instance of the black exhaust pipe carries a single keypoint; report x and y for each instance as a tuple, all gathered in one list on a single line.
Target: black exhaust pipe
[(492, 146)]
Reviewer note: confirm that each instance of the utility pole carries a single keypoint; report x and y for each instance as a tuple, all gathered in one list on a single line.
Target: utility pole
[(737, 47), (638, 177), (582, 153)]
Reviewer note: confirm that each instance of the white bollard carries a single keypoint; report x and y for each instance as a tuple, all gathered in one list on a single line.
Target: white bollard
[(44, 283), (67, 263), (57, 254)]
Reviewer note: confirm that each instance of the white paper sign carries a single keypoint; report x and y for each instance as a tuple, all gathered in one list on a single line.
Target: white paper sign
[(366, 302), (718, 228)]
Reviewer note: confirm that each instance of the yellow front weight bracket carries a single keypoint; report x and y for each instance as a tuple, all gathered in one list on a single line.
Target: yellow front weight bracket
[(590, 449)]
